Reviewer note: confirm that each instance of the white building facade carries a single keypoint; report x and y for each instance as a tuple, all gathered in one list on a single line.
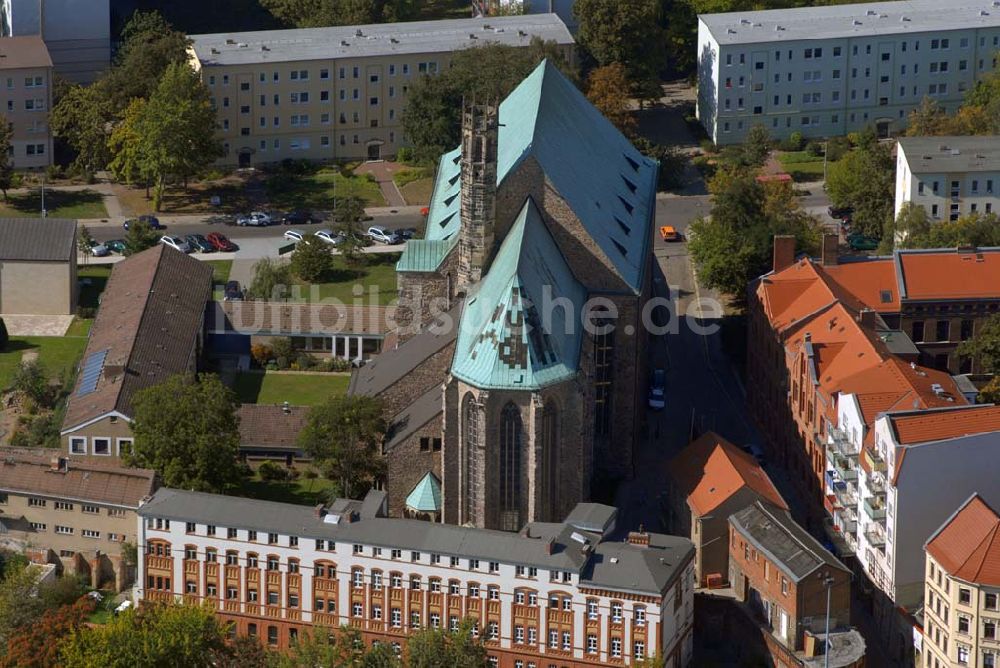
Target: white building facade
[(76, 32), (551, 594), (949, 176), (827, 71)]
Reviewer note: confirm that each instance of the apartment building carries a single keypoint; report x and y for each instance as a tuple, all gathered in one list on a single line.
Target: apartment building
[(949, 176), (783, 575), (555, 594), (76, 32), (25, 99), (78, 515), (962, 590), (337, 93), (826, 71)]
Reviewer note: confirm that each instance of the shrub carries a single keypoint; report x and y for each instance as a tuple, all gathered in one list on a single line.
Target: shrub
[(291, 474), (708, 146), (837, 148), (310, 474), (29, 380), (282, 347), (282, 363), (53, 172), (305, 361), (244, 469), (405, 154), (261, 353), (795, 141), (270, 471), (815, 149), (86, 312)]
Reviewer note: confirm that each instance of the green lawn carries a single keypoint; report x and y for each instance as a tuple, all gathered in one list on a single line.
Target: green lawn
[(379, 271), (802, 166), (301, 490), (80, 327), (97, 276), (317, 190), (221, 269), (416, 184), (256, 387), (58, 204), (58, 354), (103, 611)]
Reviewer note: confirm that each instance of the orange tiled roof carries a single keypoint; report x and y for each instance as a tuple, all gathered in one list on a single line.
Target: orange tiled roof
[(968, 544), (794, 293), (896, 385), (871, 282), (913, 428), (950, 274), (711, 469)]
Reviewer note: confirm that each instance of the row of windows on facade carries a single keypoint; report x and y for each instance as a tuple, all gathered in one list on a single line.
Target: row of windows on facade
[(815, 53), (63, 530), (816, 97), (962, 657), (430, 67), (301, 144), (816, 76), (302, 120), (29, 82), (942, 331), (962, 650), (303, 97), (323, 545), (98, 445), (33, 104), (804, 121), (956, 187), (90, 509)]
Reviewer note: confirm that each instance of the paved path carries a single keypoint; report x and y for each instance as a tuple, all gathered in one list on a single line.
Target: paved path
[(383, 170)]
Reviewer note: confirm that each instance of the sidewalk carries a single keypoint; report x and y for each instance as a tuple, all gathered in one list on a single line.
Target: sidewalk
[(382, 171)]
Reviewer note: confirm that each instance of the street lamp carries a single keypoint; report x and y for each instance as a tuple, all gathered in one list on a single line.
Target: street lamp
[(44, 212), (828, 581)]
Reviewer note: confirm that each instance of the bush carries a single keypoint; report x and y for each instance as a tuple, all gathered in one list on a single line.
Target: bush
[(837, 148), (815, 149), (29, 380), (305, 361), (86, 312), (708, 146), (282, 347), (244, 469), (795, 141), (261, 353), (282, 363), (405, 154), (54, 172), (310, 474), (270, 471)]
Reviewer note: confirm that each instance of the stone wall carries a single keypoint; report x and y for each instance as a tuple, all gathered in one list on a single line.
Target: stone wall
[(407, 464)]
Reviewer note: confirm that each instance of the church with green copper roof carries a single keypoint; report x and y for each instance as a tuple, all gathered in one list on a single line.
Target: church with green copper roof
[(519, 370)]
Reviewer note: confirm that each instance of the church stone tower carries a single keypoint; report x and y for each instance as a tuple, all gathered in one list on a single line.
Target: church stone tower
[(479, 189)]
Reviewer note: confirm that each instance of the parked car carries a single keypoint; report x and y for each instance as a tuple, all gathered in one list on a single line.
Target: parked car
[(116, 245), (406, 233), (860, 242), (221, 243), (670, 233), (298, 218), (256, 218), (176, 243), (657, 390), (383, 236), (232, 292), (329, 237), (840, 212), (152, 221), (293, 235), (199, 243), (97, 249)]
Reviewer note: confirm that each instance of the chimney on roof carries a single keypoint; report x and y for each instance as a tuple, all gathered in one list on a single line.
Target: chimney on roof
[(830, 249), (640, 537), (319, 510), (60, 464), (550, 547), (784, 252), (867, 318)]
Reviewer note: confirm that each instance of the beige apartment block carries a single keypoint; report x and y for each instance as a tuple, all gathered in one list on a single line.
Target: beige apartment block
[(337, 93), (25, 98), (962, 590)]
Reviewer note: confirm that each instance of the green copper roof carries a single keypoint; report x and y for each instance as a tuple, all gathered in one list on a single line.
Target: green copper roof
[(509, 337), (442, 219), (423, 255), (426, 495), (610, 186)]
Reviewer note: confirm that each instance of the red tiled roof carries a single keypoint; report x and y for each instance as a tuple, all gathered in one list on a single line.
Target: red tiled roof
[(866, 281), (711, 469), (938, 425), (968, 544), (99, 482), (896, 385), (950, 274)]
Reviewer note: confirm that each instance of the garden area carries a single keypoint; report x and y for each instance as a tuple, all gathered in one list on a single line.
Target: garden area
[(375, 271), (273, 482), (298, 388), (416, 184), (58, 204), (302, 185)]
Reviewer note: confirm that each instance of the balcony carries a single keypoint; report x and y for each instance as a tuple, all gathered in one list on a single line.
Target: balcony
[(840, 443), (875, 510), (875, 537), (847, 498), (874, 461), (846, 467)]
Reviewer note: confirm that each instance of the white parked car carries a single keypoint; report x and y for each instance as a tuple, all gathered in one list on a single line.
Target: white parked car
[(256, 218), (99, 250), (382, 235), (293, 235), (329, 237), (176, 243)]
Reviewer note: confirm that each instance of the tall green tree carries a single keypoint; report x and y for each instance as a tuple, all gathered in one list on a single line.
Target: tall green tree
[(311, 259), (344, 435), (437, 648), (756, 146), (149, 45), (984, 346), (36, 645), (6, 159), (865, 180), (343, 647), (608, 90), (129, 164), (626, 32), (155, 635), (139, 237), (83, 116), (187, 430), (271, 279), (432, 117), (19, 606), (928, 119)]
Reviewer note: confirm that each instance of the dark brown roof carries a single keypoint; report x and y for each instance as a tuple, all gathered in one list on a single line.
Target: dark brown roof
[(269, 426), (23, 51), (150, 317), (299, 318), (83, 481), (413, 417), (37, 239)]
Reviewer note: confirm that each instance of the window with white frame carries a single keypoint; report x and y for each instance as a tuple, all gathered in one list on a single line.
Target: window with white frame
[(78, 445)]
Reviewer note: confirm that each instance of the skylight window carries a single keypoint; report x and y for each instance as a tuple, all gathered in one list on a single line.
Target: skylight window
[(628, 206)]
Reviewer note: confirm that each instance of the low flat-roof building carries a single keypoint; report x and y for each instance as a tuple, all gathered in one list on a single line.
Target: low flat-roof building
[(37, 266), (949, 176), (149, 327), (555, 591)]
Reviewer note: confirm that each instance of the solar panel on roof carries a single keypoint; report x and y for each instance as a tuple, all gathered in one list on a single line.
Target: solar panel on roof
[(92, 367)]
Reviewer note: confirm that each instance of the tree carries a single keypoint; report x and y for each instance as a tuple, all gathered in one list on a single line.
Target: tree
[(984, 346), (19, 607), (319, 13), (928, 119), (139, 237), (149, 45), (911, 226), (626, 32), (865, 180), (270, 280), (6, 151), (432, 116), (30, 381), (36, 645), (343, 647), (4, 336), (990, 394), (311, 259), (128, 162), (437, 648), (673, 163), (84, 242), (244, 652), (344, 435), (155, 635), (756, 146), (608, 90), (83, 117), (186, 429)]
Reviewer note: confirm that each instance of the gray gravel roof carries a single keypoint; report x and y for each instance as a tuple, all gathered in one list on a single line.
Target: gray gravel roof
[(37, 239), (952, 154), (385, 39), (855, 20)]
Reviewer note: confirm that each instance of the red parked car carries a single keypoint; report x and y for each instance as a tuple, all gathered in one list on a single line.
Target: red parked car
[(220, 242)]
